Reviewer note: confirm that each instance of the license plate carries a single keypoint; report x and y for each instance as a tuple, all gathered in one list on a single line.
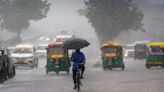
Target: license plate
[(57, 66), (20, 61)]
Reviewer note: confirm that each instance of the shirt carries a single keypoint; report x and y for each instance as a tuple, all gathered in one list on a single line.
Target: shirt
[(77, 58)]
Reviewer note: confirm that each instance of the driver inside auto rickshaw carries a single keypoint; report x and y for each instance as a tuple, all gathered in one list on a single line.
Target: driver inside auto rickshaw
[(77, 58)]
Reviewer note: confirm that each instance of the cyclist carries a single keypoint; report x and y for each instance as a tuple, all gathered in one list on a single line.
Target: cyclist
[(77, 58)]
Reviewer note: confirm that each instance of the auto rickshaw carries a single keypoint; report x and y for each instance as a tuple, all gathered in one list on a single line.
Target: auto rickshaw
[(112, 56), (140, 51), (155, 55), (57, 58)]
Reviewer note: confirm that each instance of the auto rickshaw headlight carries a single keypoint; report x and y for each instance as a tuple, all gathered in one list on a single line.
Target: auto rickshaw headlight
[(105, 58), (115, 57), (51, 60)]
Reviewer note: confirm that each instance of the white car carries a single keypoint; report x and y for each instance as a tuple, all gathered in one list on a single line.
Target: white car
[(62, 38), (41, 49), (10, 49), (129, 50), (25, 54)]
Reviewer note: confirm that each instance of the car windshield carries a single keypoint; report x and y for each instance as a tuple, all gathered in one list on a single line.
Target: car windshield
[(41, 47), (22, 50), (56, 50), (140, 48), (110, 50), (129, 47)]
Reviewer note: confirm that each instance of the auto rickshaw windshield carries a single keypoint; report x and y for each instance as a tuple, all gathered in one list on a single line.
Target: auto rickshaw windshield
[(155, 49), (110, 50), (56, 50)]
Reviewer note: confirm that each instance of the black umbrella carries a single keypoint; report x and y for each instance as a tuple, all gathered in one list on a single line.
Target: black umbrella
[(75, 43)]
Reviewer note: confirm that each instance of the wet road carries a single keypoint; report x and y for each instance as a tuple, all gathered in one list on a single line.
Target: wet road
[(135, 78)]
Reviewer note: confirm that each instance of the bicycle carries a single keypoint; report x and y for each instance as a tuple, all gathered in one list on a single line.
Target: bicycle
[(78, 78)]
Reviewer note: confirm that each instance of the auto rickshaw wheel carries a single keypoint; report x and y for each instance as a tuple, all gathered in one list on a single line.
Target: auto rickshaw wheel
[(162, 66), (46, 71), (123, 67), (57, 72), (148, 66), (110, 67), (32, 66), (68, 71), (14, 73), (104, 68)]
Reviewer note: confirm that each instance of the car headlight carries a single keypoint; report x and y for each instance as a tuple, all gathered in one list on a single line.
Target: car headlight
[(13, 59), (115, 57), (29, 58), (126, 54)]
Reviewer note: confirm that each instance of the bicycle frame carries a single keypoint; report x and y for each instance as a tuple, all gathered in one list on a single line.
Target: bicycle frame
[(78, 78)]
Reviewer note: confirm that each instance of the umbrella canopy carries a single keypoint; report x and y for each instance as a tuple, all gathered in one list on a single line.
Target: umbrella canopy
[(75, 43)]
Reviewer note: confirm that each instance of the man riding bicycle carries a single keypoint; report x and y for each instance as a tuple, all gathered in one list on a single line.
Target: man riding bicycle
[(77, 58)]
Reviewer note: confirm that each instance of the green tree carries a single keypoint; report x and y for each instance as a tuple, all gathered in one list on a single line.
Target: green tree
[(15, 15), (111, 17)]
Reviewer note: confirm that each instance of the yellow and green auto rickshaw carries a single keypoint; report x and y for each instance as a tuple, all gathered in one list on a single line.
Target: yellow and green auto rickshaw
[(112, 56), (155, 54), (140, 51), (57, 58)]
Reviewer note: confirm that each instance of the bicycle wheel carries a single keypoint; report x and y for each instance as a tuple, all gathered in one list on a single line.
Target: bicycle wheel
[(78, 81)]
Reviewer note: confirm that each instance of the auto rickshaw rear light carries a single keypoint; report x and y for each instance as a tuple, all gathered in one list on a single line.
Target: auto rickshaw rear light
[(51, 60)]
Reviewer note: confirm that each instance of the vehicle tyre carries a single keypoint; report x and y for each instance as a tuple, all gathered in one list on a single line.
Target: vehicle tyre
[(10, 75), (162, 66), (104, 68), (68, 71), (57, 71), (32, 66), (110, 67), (46, 71), (36, 65), (5, 78), (148, 66), (1, 81), (14, 72), (123, 67), (78, 83)]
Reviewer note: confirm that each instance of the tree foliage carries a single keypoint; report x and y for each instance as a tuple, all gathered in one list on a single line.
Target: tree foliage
[(15, 15), (110, 17)]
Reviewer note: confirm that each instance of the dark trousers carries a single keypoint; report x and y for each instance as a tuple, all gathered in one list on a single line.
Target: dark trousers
[(74, 73)]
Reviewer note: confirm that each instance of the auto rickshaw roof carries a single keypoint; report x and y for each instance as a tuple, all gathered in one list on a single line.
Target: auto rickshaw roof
[(161, 44), (55, 44), (112, 45)]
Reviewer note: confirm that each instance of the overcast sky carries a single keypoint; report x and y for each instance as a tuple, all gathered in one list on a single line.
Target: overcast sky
[(63, 16)]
